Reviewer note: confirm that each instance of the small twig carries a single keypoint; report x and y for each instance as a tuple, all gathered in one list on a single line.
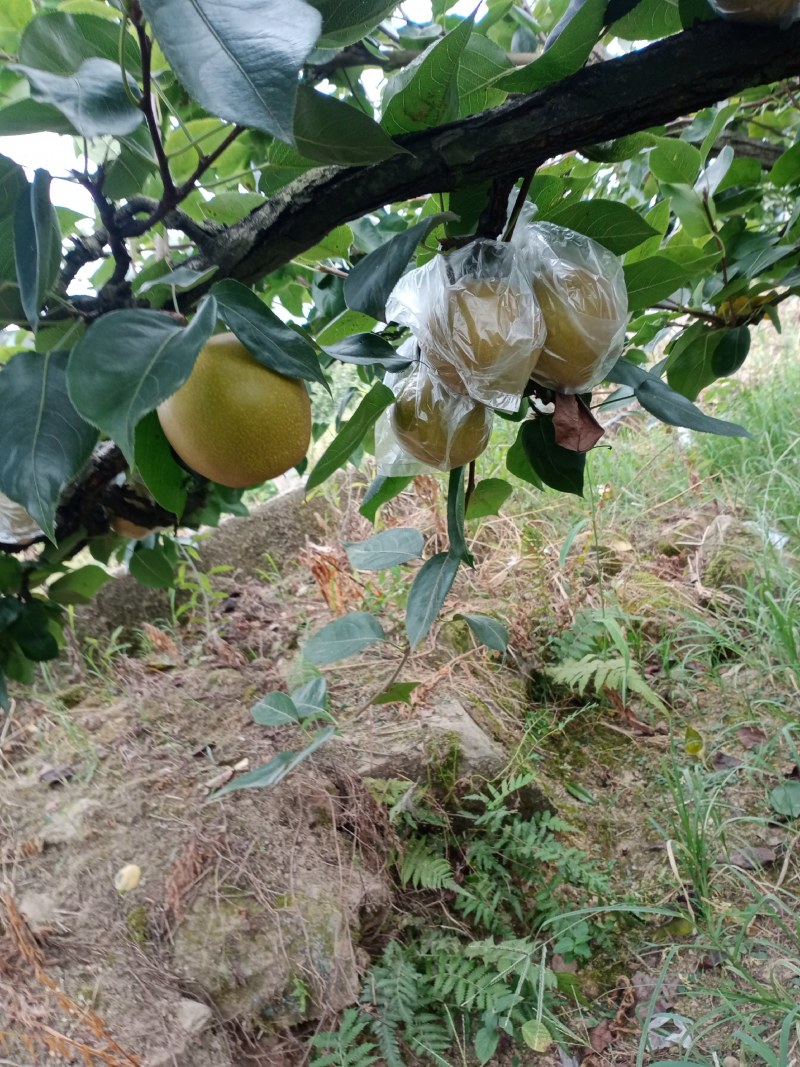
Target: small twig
[(715, 319), (517, 209), (146, 104), (386, 685), (105, 209), (84, 250)]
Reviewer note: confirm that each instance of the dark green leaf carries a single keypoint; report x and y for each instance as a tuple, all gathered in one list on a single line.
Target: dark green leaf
[(489, 631), (386, 549), (11, 573), (29, 116), (59, 42), (10, 607), (425, 93), (518, 464), (608, 222), (32, 632), (785, 799), (270, 341), (152, 567), (367, 349), (455, 516), (346, 21), (731, 352), (558, 467), (46, 443), (488, 497), (330, 131), (482, 62), (351, 434), (692, 11), (656, 397), (136, 162), (382, 490), (275, 709), (277, 769), (690, 361), (428, 593), (12, 183), (78, 586), (653, 279), (37, 245), (153, 357), (787, 169), (572, 43), (182, 279), (343, 638), (397, 693), (370, 282), (240, 61), (93, 99), (156, 466)]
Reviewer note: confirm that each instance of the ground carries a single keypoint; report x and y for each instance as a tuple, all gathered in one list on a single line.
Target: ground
[(245, 925)]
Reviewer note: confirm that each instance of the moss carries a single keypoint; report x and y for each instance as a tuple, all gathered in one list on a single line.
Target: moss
[(138, 922), (72, 695), (444, 762), (645, 594), (455, 636)]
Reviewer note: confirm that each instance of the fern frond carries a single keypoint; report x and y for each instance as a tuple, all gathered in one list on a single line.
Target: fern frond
[(340, 1047), (421, 867)]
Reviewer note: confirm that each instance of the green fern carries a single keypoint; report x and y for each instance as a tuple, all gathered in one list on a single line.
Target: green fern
[(615, 674), (344, 1047), (393, 989), (423, 869)]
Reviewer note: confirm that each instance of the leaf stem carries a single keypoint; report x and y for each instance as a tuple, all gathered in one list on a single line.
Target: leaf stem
[(524, 189)]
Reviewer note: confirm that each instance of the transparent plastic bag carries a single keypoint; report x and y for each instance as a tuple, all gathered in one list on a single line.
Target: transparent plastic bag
[(431, 425), (16, 525), (393, 461), (580, 287), (769, 12), (476, 320)]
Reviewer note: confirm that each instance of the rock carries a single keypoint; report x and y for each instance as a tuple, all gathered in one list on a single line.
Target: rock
[(731, 553), (676, 537), (70, 823), (192, 1016), (611, 551), (38, 909), (443, 742), (280, 962), (648, 596)]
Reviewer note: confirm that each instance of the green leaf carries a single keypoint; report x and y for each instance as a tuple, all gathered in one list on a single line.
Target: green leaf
[(351, 434), (277, 769), (428, 593), (785, 799), (29, 116), (653, 279), (566, 55), (37, 246), (367, 349), (11, 573), (688, 206), (535, 1034), (343, 326), (557, 467), (343, 638), (152, 567), (182, 279), (673, 408), (240, 61), (386, 549), (488, 497), (381, 491), (31, 630), (93, 99), (787, 168), (267, 338), (153, 357), (425, 93), (731, 352), (311, 699), (370, 282), (275, 709), (612, 224), (156, 466), (231, 207), (78, 586), (486, 1042), (126, 175), (59, 43), (489, 631), (518, 464), (14, 14), (648, 21), (482, 62), (690, 363), (330, 131), (12, 184), (346, 21), (675, 161), (397, 693), (455, 516), (335, 245), (47, 443)]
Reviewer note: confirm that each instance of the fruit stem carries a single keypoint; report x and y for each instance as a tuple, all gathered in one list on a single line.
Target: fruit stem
[(524, 189)]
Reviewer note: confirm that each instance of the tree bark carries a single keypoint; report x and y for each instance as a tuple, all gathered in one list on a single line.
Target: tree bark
[(646, 88)]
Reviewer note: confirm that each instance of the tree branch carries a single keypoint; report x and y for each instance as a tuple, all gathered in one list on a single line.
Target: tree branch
[(649, 87)]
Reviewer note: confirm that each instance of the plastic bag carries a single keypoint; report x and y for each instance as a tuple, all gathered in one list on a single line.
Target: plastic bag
[(393, 461), (16, 525), (428, 424), (476, 320), (580, 287), (771, 12)]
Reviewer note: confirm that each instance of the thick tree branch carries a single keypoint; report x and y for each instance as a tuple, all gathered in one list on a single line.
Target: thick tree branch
[(606, 100)]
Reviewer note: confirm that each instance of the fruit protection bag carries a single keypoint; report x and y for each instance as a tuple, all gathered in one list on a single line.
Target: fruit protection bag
[(476, 320), (16, 525), (429, 426), (770, 12), (580, 287)]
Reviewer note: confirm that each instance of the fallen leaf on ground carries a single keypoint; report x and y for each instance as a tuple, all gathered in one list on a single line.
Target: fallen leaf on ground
[(751, 736), (749, 859)]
